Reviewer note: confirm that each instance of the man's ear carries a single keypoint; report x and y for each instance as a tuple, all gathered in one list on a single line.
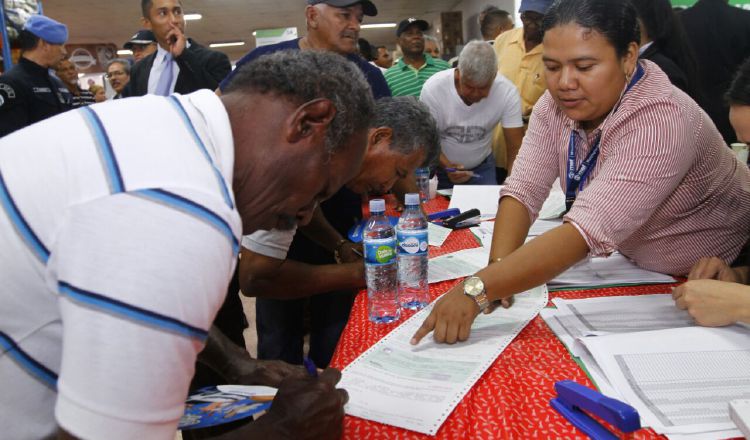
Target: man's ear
[(311, 120), (381, 136), (311, 15), (146, 23)]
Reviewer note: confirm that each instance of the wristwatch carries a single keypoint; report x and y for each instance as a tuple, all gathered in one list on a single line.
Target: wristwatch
[(474, 289)]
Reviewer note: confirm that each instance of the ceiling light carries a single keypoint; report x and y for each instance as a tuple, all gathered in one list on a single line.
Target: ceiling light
[(227, 44), (124, 52), (378, 25), (189, 17)]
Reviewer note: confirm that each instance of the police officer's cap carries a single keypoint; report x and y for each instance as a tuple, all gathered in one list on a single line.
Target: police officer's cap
[(47, 29)]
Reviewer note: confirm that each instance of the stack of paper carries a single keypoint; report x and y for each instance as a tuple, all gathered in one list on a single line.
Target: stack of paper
[(485, 198), (457, 264), (615, 270), (417, 387), (644, 351)]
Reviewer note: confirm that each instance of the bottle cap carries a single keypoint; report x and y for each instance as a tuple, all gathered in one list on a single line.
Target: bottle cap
[(423, 170), (377, 205), (411, 199)]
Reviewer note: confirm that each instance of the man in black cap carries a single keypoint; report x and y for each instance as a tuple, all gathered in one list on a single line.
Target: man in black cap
[(179, 65), (142, 44), (28, 93), (407, 77)]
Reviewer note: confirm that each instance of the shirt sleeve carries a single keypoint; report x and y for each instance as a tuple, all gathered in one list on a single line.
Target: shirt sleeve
[(139, 284), (274, 243), (536, 166), (512, 117), (646, 159), (14, 111)]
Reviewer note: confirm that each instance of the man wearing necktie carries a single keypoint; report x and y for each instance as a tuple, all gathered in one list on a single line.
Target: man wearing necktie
[(179, 65)]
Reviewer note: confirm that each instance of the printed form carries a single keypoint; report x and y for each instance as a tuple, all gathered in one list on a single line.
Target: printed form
[(417, 387)]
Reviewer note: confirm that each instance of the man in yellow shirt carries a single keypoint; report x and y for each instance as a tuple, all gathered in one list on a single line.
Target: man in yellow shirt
[(519, 58)]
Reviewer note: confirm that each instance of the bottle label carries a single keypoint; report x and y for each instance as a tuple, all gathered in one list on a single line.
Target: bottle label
[(412, 242), (380, 251)]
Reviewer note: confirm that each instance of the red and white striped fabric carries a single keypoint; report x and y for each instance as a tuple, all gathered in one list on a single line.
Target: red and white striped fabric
[(665, 191)]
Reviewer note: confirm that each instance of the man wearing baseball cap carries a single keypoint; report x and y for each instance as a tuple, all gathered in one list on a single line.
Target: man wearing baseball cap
[(519, 58), (142, 44), (28, 93), (407, 76)]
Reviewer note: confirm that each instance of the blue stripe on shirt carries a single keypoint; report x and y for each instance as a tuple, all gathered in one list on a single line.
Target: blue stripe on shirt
[(142, 316), (23, 228), (191, 128), (188, 206), (106, 153), (28, 363)]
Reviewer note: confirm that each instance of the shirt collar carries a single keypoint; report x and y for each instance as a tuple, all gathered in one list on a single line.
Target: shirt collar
[(428, 61)]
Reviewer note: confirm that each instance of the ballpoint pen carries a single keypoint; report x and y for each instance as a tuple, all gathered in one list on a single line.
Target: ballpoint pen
[(453, 170), (312, 370)]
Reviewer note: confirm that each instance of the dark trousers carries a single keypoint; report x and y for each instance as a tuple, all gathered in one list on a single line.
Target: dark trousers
[(281, 326)]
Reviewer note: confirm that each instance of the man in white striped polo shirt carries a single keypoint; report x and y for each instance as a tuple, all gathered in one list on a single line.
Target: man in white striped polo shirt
[(117, 245)]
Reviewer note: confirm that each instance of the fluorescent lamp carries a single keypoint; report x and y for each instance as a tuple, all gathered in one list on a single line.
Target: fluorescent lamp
[(124, 52), (378, 25), (189, 17), (227, 44)]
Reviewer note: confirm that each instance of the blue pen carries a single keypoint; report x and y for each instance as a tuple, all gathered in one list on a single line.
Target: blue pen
[(312, 370), (453, 170)]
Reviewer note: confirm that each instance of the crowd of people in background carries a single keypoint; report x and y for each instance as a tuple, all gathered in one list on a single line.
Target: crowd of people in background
[(630, 105)]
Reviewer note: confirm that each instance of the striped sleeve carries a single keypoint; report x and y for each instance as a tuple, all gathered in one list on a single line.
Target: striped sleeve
[(536, 166), (140, 280)]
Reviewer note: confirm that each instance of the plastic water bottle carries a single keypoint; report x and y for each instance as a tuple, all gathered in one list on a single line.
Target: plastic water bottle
[(380, 266), (411, 232), (423, 183)]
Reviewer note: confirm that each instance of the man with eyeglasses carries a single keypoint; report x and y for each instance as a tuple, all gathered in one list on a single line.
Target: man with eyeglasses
[(519, 58), (118, 74)]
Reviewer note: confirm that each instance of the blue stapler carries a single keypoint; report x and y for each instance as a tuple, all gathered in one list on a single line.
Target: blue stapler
[(574, 400)]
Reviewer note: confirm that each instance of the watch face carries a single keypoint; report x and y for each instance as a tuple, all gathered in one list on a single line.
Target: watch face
[(473, 286)]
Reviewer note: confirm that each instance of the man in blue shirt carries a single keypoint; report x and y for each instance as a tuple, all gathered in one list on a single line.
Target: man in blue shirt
[(332, 25)]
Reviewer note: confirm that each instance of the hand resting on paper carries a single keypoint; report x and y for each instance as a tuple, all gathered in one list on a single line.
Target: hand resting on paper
[(716, 269), (714, 303)]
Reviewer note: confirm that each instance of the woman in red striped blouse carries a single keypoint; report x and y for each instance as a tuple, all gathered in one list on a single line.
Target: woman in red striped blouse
[(644, 170)]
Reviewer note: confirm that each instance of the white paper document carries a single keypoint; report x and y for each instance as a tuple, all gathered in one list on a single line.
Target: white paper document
[(579, 318), (613, 270), (418, 387), (436, 234), (483, 232), (457, 264), (679, 380), (485, 198)]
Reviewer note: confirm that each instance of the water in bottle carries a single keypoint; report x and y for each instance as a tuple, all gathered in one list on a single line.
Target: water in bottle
[(380, 266), (411, 233), (423, 183)]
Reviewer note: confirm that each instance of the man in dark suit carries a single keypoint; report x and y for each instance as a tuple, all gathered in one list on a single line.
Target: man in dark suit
[(720, 36), (179, 65)]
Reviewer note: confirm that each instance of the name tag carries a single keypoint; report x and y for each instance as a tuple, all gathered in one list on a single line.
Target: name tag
[(42, 90)]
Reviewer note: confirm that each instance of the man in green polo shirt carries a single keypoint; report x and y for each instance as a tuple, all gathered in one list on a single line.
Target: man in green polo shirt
[(407, 77)]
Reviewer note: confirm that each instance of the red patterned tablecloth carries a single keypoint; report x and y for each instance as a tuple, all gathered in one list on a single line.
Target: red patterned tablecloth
[(511, 399)]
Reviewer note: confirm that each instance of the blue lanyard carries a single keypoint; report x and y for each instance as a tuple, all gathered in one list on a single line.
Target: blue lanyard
[(574, 178)]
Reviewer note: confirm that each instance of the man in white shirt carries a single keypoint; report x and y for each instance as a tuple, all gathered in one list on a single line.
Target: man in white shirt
[(117, 245), (467, 103)]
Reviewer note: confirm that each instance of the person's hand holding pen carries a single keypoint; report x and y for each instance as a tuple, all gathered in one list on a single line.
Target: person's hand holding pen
[(456, 173)]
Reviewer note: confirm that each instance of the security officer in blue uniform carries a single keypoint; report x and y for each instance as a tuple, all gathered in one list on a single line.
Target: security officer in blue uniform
[(28, 92)]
